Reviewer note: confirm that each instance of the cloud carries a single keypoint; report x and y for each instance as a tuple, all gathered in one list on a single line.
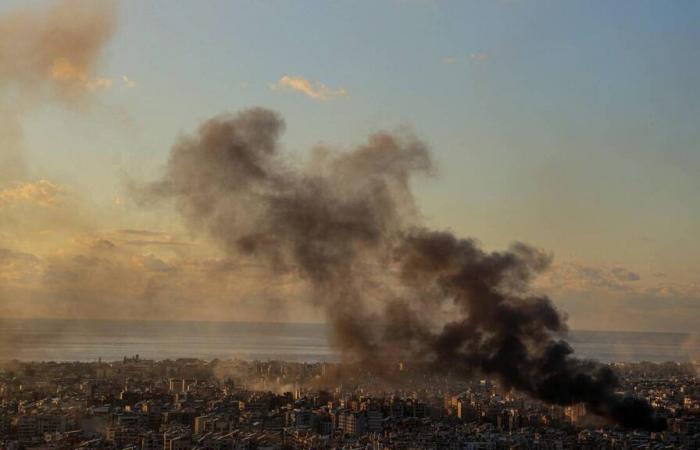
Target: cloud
[(48, 55), (42, 193), (685, 291), (66, 72), (135, 232), (314, 90), (143, 238), (479, 57), (102, 244), (623, 274), (128, 82), (17, 267), (449, 60), (99, 83), (153, 263), (101, 277), (614, 297), (8, 256), (573, 276), (147, 242), (53, 52)]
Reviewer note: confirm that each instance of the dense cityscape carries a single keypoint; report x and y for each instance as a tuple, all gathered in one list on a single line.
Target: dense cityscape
[(188, 404), (349, 225)]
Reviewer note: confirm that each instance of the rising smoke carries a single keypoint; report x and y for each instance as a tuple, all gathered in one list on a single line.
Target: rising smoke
[(47, 55), (346, 224)]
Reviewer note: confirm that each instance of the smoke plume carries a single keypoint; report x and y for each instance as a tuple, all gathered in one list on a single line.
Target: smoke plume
[(346, 224), (47, 56)]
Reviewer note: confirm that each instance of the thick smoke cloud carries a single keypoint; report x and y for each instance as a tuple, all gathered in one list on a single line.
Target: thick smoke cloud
[(346, 224)]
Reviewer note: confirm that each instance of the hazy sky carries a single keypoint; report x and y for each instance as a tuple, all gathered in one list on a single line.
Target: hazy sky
[(572, 126)]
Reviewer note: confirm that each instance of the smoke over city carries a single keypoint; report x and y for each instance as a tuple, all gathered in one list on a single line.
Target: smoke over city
[(346, 223)]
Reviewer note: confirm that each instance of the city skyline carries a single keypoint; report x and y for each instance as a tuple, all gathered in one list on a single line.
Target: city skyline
[(567, 127)]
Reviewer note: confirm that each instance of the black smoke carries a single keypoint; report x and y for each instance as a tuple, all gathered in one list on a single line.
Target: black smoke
[(346, 223)]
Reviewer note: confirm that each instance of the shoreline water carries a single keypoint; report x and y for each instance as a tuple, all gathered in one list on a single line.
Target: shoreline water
[(89, 340)]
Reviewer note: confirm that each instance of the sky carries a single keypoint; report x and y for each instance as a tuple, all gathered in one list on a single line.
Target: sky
[(571, 126)]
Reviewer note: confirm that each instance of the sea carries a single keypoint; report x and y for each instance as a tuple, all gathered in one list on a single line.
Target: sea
[(90, 340)]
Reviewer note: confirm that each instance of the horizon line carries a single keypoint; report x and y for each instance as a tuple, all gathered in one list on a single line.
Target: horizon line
[(274, 322)]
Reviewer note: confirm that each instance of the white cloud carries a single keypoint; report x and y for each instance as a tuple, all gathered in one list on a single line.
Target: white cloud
[(315, 90)]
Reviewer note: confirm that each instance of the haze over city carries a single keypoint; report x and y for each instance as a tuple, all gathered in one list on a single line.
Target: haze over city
[(389, 224)]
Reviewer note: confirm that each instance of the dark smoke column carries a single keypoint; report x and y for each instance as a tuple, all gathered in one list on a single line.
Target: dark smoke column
[(346, 224), (507, 333)]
